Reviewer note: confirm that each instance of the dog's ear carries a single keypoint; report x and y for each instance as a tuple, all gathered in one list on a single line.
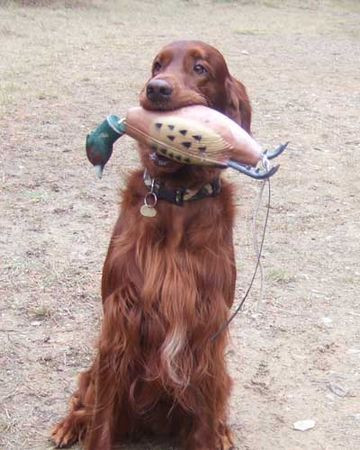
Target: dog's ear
[(238, 105)]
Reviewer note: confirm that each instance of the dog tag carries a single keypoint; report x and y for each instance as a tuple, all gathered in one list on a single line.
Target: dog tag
[(148, 211)]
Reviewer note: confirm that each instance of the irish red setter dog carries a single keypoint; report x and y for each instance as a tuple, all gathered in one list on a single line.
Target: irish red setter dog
[(168, 283)]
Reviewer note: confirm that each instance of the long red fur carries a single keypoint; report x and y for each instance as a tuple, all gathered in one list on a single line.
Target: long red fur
[(168, 283)]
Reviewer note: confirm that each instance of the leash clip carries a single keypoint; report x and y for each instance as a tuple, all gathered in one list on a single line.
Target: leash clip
[(150, 200)]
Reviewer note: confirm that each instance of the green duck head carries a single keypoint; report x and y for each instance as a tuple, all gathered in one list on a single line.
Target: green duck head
[(99, 143)]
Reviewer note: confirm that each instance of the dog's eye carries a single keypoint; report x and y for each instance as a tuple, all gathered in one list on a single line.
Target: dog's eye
[(200, 69), (156, 66)]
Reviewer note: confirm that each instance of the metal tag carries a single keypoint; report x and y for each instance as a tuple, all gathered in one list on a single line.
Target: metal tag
[(148, 211)]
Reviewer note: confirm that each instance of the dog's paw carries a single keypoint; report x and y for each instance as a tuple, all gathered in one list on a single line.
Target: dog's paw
[(63, 435), (227, 442)]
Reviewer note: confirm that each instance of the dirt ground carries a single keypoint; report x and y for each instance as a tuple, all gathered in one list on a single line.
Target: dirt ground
[(65, 65)]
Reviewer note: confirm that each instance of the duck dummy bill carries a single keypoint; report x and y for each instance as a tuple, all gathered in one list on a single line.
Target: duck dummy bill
[(195, 135)]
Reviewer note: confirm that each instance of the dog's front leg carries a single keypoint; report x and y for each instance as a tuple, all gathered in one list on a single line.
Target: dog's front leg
[(99, 432), (108, 415), (74, 426)]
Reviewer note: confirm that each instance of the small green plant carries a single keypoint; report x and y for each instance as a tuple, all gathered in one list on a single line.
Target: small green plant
[(280, 276), (41, 312)]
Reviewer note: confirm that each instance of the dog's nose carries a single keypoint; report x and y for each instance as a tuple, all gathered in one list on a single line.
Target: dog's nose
[(158, 90)]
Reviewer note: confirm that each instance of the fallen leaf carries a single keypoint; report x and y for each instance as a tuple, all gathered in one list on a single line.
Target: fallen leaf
[(338, 390)]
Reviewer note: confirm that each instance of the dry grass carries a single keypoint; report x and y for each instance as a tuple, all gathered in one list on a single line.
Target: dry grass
[(66, 65)]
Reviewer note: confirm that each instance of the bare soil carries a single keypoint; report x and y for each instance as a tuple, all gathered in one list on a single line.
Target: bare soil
[(295, 350)]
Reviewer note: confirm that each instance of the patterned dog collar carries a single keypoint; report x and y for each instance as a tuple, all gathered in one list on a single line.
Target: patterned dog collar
[(181, 195)]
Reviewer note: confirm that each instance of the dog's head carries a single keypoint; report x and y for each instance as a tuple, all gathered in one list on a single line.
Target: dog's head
[(186, 73)]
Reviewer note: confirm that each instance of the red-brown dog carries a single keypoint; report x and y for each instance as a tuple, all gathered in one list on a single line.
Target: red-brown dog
[(168, 283)]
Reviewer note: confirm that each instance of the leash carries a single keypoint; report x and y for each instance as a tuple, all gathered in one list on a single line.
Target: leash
[(258, 261)]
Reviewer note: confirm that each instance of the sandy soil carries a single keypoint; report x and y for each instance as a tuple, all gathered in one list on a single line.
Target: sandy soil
[(295, 353)]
